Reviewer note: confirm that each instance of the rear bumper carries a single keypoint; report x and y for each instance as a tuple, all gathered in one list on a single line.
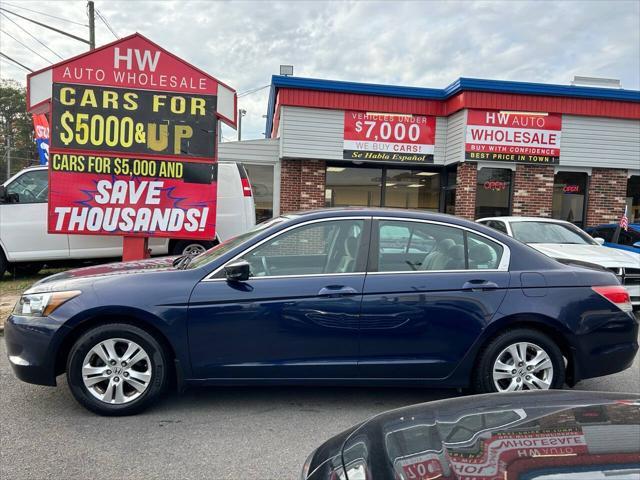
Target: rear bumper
[(30, 348), (608, 350)]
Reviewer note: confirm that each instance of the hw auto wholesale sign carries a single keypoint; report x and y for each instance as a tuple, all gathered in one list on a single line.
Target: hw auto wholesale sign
[(133, 143), (513, 136), (388, 137)]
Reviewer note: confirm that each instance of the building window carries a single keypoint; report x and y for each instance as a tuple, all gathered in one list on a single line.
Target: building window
[(412, 189), (261, 179), (569, 197), (633, 199), (493, 192), (353, 187), (382, 187)]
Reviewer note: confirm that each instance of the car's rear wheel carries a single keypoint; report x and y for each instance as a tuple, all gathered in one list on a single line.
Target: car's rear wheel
[(116, 369), (191, 247), (520, 359)]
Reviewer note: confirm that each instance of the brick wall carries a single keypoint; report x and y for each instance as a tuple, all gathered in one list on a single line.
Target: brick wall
[(302, 185), (606, 196), (466, 180), (533, 190)]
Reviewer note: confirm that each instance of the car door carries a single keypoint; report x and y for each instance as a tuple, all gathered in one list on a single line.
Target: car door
[(296, 317), (23, 220), (423, 309)]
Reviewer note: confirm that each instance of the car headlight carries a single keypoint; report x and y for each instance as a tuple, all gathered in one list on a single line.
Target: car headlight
[(42, 304)]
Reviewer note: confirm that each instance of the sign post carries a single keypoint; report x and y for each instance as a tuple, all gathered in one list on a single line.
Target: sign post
[(133, 143)]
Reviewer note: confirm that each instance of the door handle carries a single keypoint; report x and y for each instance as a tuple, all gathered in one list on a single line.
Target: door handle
[(337, 291), (478, 285)]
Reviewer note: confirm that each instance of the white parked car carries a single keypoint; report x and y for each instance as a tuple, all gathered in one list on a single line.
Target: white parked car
[(569, 244), (26, 245)]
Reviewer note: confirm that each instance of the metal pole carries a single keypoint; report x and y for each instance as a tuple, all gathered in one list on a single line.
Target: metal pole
[(8, 157), (239, 124), (92, 26)]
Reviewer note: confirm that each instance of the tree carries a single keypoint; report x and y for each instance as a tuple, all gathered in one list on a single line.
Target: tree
[(15, 122)]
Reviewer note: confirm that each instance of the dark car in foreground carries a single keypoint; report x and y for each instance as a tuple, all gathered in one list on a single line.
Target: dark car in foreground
[(552, 435), (320, 298)]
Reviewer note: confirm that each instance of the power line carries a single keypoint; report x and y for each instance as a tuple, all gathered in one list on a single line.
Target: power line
[(16, 62), (30, 34), (25, 46), (253, 90), (75, 37), (104, 20), (47, 15)]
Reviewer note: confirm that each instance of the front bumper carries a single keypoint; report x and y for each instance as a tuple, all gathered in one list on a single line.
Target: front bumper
[(31, 348), (634, 293)]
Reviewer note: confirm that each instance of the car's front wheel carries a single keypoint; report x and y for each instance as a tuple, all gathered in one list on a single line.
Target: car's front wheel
[(520, 359), (116, 369)]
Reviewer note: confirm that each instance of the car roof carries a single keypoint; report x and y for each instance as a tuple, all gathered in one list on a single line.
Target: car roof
[(383, 212), (513, 218)]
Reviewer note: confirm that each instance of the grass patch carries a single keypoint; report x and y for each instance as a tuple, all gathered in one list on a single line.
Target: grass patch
[(16, 284)]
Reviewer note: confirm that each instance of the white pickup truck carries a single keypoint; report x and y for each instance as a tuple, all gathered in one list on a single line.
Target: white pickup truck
[(26, 246)]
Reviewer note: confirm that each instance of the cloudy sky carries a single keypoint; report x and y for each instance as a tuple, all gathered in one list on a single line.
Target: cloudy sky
[(414, 43)]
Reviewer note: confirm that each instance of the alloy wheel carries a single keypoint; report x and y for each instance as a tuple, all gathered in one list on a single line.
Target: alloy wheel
[(522, 366), (116, 371), (193, 249)]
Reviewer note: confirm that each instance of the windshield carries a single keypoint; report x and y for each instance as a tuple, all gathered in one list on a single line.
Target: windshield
[(222, 248), (547, 232)]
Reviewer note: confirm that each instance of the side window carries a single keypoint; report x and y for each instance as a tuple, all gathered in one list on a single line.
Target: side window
[(406, 246), (496, 225), (317, 248), (626, 238), (30, 187), (606, 233), (482, 253), (413, 246)]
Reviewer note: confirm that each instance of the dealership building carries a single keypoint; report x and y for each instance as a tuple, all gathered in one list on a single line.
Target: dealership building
[(476, 148)]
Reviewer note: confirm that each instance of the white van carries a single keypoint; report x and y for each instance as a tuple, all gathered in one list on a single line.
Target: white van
[(26, 245)]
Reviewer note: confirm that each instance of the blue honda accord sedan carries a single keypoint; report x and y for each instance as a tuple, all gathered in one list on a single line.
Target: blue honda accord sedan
[(350, 296)]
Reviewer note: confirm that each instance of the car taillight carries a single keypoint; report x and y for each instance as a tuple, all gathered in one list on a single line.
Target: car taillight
[(246, 187), (617, 295)]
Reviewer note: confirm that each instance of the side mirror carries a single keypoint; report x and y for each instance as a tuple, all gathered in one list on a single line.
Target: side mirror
[(599, 240), (636, 245), (3, 193), (238, 271)]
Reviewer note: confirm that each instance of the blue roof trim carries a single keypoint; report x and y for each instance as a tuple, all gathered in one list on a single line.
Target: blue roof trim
[(460, 85)]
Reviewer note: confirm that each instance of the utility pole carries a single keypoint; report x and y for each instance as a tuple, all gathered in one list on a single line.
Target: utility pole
[(241, 113), (92, 25)]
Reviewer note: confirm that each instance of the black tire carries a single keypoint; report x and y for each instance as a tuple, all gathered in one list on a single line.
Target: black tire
[(3, 264), (483, 377), (181, 247), (155, 352), (27, 269)]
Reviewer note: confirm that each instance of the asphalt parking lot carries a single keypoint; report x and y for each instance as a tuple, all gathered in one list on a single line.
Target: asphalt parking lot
[(213, 433)]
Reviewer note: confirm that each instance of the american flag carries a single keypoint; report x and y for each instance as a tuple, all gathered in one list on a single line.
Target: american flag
[(624, 220)]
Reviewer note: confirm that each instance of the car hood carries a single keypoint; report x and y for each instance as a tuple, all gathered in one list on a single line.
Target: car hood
[(77, 276), (596, 254), (490, 437)]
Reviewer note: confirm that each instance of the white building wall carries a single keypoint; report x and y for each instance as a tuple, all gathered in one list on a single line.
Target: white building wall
[(250, 151), (456, 130), (600, 142), (317, 133), (313, 133)]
